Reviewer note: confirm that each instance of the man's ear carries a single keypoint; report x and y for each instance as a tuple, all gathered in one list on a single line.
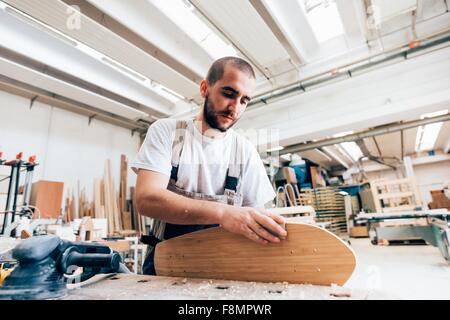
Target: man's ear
[(204, 88)]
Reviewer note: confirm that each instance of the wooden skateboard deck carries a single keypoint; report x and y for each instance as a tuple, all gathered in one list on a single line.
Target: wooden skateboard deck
[(309, 255)]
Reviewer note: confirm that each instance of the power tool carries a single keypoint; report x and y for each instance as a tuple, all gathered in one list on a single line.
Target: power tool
[(46, 264)]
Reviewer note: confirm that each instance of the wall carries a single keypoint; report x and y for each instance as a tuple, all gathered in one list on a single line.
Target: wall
[(68, 149)]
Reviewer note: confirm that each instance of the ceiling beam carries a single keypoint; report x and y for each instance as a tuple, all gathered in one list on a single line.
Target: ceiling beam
[(377, 146), (116, 51), (348, 70), (37, 94), (269, 19), (369, 167), (22, 35), (365, 134), (132, 37), (70, 79), (264, 71)]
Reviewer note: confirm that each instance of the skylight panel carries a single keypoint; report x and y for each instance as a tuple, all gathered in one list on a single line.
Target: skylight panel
[(427, 135), (324, 18), (351, 148)]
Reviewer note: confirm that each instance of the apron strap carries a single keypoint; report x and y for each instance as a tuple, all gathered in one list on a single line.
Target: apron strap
[(177, 147), (235, 165)]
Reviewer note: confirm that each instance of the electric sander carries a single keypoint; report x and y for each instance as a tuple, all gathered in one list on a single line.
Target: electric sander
[(45, 264)]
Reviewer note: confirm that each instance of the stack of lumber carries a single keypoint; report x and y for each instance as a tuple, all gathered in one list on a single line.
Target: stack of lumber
[(69, 210), (330, 208), (110, 206), (85, 207), (306, 198), (108, 203), (137, 221)]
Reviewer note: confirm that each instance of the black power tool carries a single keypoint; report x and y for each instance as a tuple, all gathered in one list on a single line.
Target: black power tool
[(46, 263)]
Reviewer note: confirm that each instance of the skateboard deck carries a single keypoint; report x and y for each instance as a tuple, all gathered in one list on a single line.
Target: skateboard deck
[(309, 255)]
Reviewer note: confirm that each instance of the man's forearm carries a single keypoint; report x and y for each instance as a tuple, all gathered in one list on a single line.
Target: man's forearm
[(173, 208)]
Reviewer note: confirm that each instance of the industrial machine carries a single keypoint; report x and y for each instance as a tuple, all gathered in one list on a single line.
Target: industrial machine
[(429, 226)]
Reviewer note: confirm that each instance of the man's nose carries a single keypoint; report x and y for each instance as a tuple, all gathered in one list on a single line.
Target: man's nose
[(234, 105)]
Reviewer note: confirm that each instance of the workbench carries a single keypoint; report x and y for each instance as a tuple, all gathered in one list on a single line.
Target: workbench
[(141, 287)]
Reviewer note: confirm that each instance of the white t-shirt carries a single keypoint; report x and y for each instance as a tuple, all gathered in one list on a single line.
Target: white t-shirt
[(204, 162)]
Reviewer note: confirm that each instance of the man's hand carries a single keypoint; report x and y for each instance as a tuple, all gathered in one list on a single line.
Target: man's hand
[(258, 225)]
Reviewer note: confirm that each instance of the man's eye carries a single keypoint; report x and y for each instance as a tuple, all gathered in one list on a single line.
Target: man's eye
[(228, 94)]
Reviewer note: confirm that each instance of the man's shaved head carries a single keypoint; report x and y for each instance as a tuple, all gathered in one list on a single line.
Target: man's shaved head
[(217, 69)]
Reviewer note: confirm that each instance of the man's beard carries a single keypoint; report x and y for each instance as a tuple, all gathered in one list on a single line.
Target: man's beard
[(212, 117)]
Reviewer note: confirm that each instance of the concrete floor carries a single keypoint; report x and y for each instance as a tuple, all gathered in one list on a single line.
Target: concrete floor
[(401, 272)]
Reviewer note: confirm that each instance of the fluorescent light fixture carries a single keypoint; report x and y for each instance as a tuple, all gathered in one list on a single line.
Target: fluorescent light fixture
[(166, 92), (181, 12), (278, 148), (159, 89), (124, 69), (350, 149), (427, 135), (39, 25), (324, 18)]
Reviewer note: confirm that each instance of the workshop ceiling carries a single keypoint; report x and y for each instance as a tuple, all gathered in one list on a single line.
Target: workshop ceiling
[(142, 57), (387, 146)]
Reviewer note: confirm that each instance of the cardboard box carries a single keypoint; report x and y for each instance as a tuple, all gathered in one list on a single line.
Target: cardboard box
[(439, 200), (359, 232), (47, 197)]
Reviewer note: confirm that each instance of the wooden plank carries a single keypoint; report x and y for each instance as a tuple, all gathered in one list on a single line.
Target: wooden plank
[(399, 208), (123, 182), (396, 195), (119, 245), (125, 216), (309, 255), (47, 197), (391, 182), (72, 207), (107, 194), (97, 199), (376, 200)]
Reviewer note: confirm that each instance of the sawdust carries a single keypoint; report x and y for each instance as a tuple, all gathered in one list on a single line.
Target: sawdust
[(170, 288)]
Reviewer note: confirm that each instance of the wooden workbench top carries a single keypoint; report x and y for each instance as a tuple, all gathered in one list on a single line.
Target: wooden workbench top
[(140, 287)]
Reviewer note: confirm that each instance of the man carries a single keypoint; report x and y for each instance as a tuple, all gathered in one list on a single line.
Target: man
[(199, 173)]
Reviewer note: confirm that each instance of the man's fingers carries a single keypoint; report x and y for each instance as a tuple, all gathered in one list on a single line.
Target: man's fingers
[(263, 233), (254, 237), (278, 219), (270, 225)]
